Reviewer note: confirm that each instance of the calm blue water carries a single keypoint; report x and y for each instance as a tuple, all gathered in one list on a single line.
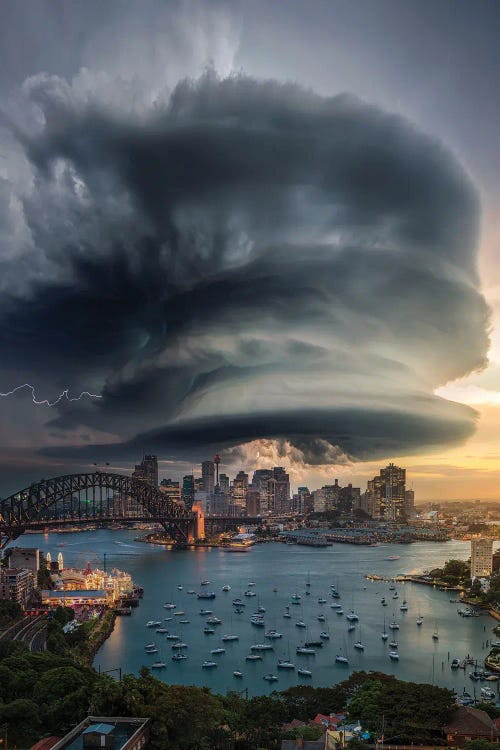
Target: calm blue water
[(286, 568)]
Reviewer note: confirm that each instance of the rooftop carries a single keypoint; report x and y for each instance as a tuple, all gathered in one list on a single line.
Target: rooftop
[(471, 721), (123, 729)]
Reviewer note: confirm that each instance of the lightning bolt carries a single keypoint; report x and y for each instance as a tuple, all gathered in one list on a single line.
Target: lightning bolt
[(46, 402)]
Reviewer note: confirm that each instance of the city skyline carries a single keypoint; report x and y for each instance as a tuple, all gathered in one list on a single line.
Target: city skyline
[(214, 240)]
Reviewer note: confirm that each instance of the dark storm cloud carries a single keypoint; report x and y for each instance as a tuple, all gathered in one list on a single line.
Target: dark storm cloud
[(248, 261)]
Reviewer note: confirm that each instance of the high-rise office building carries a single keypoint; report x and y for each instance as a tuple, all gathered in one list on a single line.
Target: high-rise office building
[(409, 503), (253, 502), (387, 491), (208, 476), (281, 490), (147, 470), (261, 483), (224, 483), (188, 491), (239, 491), (171, 488), (481, 559)]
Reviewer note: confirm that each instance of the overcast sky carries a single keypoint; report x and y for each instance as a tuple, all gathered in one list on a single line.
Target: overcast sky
[(265, 229)]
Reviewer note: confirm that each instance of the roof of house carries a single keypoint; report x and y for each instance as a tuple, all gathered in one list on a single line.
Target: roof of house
[(101, 728), (327, 720), (468, 720), (46, 744)]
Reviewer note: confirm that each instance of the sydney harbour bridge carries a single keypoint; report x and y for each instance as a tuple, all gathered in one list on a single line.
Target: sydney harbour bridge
[(103, 498)]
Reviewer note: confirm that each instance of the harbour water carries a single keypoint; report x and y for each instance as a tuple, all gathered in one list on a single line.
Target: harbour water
[(279, 571)]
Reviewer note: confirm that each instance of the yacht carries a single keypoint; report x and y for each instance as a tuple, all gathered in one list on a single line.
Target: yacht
[(179, 657), (392, 587), (206, 612), (173, 637), (340, 611), (161, 630), (393, 644), (168, 619), (270, 677), (179, 613), (149, 645), (209, 631), (251, 583), (296, 598), (238, 602), (359, 646), (455, 664), (227, 587), (488, 694), (191, 591), (230, 638), (237, 673), (213, 620), (218, 651), (169, 605), (304, 672), (257, 620), (335, 595), (273, 634), (420, 620), (324, 635), (262, 647), (300, 624), (184, 622), (250, 593), (206, 595), (285, 664), (341, 659), (153, 624), (394, 655), (305, 651), (321, 600), (313, 644), (384, 635), (261, 609), (179, 587), (179, 645), (205, 583), (253, 657), (394, 625), (352, 616), (321, 618), (395, 595), (153, 650), (435, 636), (383, 602), (209, 664), (158, 665), (335, 606)]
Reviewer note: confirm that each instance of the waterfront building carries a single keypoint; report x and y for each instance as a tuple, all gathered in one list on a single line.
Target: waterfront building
[(24, 557), (239, 491), (17, 584), (481, 557), (388, 491)]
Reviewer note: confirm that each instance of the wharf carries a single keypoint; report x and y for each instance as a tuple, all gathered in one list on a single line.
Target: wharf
[(413, 579), (123, 611)]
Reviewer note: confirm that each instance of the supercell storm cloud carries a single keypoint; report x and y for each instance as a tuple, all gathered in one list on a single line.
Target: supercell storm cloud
[(247, 260)]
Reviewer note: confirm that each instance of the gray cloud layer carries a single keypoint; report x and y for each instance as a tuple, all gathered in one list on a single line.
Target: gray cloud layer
[(247, 261)]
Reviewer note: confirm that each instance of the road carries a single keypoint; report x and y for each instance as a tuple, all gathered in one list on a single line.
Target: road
[(31, 631)]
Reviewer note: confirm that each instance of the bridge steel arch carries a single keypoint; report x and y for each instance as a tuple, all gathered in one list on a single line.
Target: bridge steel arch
[(40, 503)]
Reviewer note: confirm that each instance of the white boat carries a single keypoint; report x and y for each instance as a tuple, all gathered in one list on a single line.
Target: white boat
[(237, 673), (218, 651), (352, 616), (253, 657), (285, 664), (158, 665), (340, 611), (250, 593), (296, 598), (393, 644), (169, 605), (161, 630), (488, 694), (230, 638), (179, 657), (394, 655), (191, 591), (273, 634), (321, 600), (261, 609), (420, 620), (305, 650), (262, 647), (213, 620), (435, 635), (152, 650), (251, 583), (179, 613), (150, 645), (321, 618), (394, 625), (270, 677), (404, 608), (335, 606), (206, 612), (395, 595), (209, 631), (184, 622), (257, 620), (209, 664), (179, 587), (205, 583), (324, 635), (153, 623), (168, 619), (300, 624), (304, 672), (173, 637), (227, 587), (179, 645), (287, 615), (385, 635), (340, 659)]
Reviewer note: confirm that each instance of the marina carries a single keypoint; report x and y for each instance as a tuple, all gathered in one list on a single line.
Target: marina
[(335, 573)]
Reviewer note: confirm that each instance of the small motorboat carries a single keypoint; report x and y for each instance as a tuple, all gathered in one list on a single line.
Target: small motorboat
[(324, 635), (393, 644), (205, 583), (209, 631), (206, 612), (150, 645), (253, 657), (352, 616), (321, 600), (394, 655), (237, 673), (173, 637), (153, 650), (359, 646), (184, 622), (300, 624), (179, 645), (158, 665), (218, 651), (270, 678), (153, 624), (209, 665), (285, 664), (262, 647), (230, 638), (455, 664), (340, 611), (179, 657), (304, 672), (305, 651), (341, 659), (169, 605), (351, 627), (179, 587), (179, 613), (227, 587), (273, 634), (161, 630), (213, 620), (420, 621)]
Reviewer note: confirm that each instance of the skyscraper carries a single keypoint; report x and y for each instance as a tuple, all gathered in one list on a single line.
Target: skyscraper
[(239, 491), (281, 490), (188, 491), (147, 470), (387, 491), (208, 476)]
